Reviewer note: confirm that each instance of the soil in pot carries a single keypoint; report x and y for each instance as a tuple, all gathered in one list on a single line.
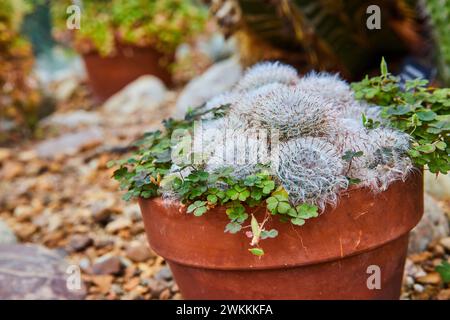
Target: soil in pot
[(108, 75), (354, 251)]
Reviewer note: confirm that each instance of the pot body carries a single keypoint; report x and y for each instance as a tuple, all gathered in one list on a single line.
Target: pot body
[(354, 251), (108, 75)]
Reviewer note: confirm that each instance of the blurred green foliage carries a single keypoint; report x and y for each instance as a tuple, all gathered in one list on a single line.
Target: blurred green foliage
[(19, 94), (439, 13), (321, 35)]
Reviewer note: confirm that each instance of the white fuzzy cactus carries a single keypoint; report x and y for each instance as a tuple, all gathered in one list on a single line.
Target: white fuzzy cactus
[(266, 73), (290, 111), (244, 107), (384, 161), (358, 108), (311, 171), (329, 86), (351, 135), (390, 157), (223, 99)]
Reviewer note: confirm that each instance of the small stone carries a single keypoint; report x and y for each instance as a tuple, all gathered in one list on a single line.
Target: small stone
[(7, 236), (103, 282), (444, 295), (107, 265), (25, 230), (438, 250), (118, 224), (84, 264), (431, 278), (101, 214), (27, 155), (445, 242), (11, 170), (164, 274), (175, 288), (131, 284), (117, 289), (138, 252), (79, 242), (409, 281), (103, 242), (155, 287), (418, 288), (177, 296), (23, 212), (165, 294), (5, 154), (133, 212), (420, 257), (64, 88)]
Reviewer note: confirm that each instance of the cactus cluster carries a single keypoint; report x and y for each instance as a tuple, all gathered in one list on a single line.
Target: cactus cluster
[(302, 129)]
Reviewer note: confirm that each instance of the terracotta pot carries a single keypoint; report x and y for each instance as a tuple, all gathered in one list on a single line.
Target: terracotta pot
[(327, 258), (108, 75)]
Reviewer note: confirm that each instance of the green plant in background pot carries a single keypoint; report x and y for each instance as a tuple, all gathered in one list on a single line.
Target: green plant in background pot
[(329, 157), (162, 24), (147, 31)]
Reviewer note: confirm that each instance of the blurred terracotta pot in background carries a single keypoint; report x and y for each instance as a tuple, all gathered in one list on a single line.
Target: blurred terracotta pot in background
[(354, 251), (108, 75)]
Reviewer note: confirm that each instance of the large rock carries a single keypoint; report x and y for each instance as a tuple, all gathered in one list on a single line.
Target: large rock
[(145, 93), (438, 187), (72, 119), (69, 144), (6, 234), (34, 272), (434, 225), (219, 78)]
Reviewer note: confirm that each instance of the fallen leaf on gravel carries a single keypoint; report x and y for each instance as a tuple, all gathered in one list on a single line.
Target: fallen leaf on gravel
[(445, 242), (131, 284), (11, 169), (103, 282), (25, 230), (444, 295), (431, 278), (420, 257)]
